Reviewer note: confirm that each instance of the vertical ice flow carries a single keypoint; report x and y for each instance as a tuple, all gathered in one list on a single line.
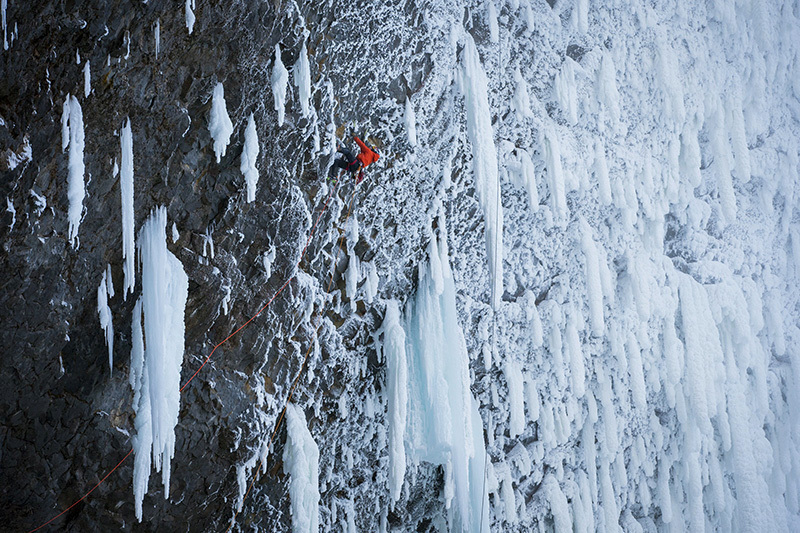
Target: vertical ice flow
[(443, 423), (104, 291), (302, 80), (219, 123), (249, 158), (126, 191), (72, 138), (394, 350), (280, 81), (484, 162), (157, 383), (301, 463)]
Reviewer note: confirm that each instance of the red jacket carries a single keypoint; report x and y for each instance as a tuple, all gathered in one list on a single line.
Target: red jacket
[(367, 155)]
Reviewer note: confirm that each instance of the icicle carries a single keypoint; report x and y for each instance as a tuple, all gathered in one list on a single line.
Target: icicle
[(126, 190), (301, 463), (516, 400), (566, 92), (302, 80), (190, 5), (280, 81), (165, 289), (87, 80), (249, 158), (411, 123), (219, 123), (104, 291), (555, 173), (72, 137), (487, 185)]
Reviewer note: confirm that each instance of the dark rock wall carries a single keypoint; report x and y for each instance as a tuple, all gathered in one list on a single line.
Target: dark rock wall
[(63, 429)]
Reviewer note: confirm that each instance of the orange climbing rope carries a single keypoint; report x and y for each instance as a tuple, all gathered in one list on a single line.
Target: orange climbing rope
[(305, 248), (300, 372)]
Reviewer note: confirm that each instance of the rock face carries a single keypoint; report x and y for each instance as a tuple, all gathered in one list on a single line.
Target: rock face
[(632, 334)]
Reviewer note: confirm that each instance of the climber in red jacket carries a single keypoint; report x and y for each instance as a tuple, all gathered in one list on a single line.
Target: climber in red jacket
[(356, 164)]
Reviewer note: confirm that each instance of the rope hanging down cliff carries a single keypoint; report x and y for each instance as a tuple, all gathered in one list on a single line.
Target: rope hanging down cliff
[(334, 189), (302, 367)]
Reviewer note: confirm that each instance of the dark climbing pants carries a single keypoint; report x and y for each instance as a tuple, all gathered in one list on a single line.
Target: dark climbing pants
[(347, 161)]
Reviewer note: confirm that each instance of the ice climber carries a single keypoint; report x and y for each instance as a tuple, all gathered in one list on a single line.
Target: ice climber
[(356, 164)]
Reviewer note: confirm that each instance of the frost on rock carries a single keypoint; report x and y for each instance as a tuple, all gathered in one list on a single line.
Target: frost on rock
[(555, 172), (302, 80), (72, 138), (219, 123), (126, 191), (301, 463), (443, 423), (594, 287), (156, 370), (521, 103), (566, 92), (484, 162), (607, 92), (280, 82), (249, 158), (104, 292), (411, 123)]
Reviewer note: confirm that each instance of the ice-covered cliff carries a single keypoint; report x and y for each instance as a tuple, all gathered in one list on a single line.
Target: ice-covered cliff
[(565, 297)]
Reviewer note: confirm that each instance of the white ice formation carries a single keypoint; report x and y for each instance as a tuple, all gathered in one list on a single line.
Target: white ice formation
[(104, 292), (302, 80), (72, 138), (126, 192), (219, 123), (156, 370), (280, 82), (301, 463), (249, 158)]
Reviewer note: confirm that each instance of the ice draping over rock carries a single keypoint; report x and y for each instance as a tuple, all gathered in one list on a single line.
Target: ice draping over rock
[(301, 463), (104, 292), (156, 356), (249, 158), (72, 138), (484, 161), (280, 82), (443, 424), (302, 80), (219, 123), (126, 193)]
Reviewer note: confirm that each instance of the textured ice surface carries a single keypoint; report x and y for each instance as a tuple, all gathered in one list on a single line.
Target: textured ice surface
[(157, 355)]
